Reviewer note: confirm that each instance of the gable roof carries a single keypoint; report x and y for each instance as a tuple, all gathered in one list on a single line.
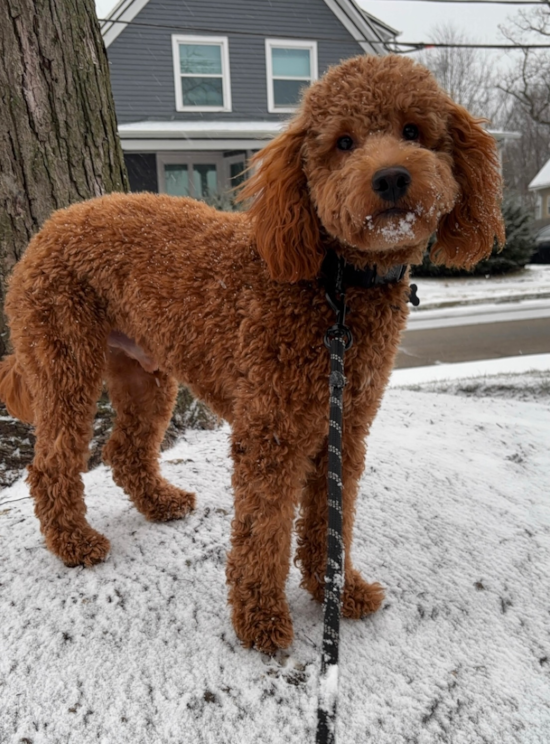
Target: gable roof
[(542, 179), (369, 32)]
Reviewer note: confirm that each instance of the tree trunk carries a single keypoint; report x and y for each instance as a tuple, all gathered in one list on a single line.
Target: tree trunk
[(58, 131)]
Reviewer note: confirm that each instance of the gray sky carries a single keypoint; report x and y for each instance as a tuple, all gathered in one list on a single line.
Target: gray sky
[(415, 18)]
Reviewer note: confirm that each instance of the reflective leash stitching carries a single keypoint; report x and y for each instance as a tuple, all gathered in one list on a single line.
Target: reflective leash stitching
[(338, 338)]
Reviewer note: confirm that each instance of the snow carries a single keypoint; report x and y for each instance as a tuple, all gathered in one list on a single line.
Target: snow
[(542, 179), (448, 316), (403, 228), (328, 689), (533, 283), (453, 518), (328, 700), (260, 129), (519, 365)]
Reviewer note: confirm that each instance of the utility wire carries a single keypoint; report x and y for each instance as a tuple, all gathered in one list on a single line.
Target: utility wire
[(544, 3), (430, 45), (416, 45)]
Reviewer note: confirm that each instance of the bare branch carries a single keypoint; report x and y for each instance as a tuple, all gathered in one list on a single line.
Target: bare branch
[(528, 82), (463, 73)]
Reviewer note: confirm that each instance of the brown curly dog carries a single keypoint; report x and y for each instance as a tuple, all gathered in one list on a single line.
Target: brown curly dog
[(143, 291)]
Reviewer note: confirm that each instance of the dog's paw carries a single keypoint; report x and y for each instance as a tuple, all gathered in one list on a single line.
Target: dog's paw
[(167, 503), (360, 598), (264, 629), (82, 546)]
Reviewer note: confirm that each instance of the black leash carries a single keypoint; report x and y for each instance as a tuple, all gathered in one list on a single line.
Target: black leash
[(337, 274), (338, 339)]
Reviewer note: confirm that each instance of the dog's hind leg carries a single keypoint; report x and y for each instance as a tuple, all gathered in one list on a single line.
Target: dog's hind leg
[(143, 402), (65, 393)]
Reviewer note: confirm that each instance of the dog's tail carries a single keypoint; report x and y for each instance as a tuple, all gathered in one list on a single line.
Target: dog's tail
[(14, 391)]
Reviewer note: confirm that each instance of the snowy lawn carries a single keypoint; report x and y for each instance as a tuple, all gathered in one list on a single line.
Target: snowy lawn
[(453, 518), (533, 283)]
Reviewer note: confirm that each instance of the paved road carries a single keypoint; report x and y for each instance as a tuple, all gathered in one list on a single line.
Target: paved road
[(475, 332)]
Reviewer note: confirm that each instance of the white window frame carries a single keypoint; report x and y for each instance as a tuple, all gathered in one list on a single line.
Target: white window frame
[(230, 160), (190, 159), (222, 41), (270, 44)]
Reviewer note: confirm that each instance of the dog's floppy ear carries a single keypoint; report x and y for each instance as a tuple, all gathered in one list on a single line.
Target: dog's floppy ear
[(286, 227), (467, 234)]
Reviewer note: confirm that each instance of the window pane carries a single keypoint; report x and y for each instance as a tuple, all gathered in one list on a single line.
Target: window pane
[(198, 91), (204, 180), (177, 180), (201, 59), (236, 173), (287, 92), (291, 62)]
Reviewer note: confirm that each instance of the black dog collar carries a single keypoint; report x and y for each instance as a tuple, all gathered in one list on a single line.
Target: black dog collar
[(366, 278), (354, 277)]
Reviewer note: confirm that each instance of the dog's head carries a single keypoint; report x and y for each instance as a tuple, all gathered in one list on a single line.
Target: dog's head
[(378, 158)]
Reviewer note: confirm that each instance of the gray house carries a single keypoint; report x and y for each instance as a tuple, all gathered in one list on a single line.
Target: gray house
[(200, 85)]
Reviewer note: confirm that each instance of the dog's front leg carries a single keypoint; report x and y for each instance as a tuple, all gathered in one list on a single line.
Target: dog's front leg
[(359, 597), (268, 475)]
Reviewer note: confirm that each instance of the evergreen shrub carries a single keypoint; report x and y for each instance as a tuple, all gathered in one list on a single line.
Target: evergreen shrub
[(520, 246)]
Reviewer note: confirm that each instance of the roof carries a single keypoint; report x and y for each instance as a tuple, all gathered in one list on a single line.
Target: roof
[(369, 32), (503, 136), (542, 179), (196, 135)]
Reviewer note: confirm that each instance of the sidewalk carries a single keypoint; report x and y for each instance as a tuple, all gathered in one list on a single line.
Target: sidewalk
[(533, 283)]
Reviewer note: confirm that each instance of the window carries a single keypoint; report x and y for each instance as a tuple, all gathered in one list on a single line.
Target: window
[(197, 175), (538, 207), (548, 205), (176, 179), (201, 72), (235, 167), (291, 65), (200, 174)]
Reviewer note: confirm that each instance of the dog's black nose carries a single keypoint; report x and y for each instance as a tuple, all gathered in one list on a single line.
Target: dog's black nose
[(391, 184)]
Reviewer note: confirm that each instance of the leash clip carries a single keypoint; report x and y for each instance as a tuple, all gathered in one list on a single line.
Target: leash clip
[(414, 299), (339, 331), (337, 302)]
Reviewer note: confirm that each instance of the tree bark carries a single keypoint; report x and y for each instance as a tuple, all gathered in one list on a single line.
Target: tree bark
[(58, 130)]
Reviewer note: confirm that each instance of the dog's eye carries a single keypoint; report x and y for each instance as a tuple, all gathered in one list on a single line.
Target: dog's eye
[(410, 132), (345, 143)]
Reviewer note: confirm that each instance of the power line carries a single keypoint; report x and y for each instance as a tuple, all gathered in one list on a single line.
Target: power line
[(390, 45), (543, 3), (431, 45)]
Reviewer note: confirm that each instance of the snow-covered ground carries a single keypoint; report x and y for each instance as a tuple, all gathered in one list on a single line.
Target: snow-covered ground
[(533, 283), (453, 519)]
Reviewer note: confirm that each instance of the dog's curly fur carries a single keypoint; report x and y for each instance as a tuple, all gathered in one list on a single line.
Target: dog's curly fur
[(232, 306)]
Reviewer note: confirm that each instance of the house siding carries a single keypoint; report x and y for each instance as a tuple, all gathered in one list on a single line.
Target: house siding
[(141, 57)]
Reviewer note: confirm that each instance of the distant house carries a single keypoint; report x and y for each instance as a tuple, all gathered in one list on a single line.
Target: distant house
[(200, 85), (540, 185)]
